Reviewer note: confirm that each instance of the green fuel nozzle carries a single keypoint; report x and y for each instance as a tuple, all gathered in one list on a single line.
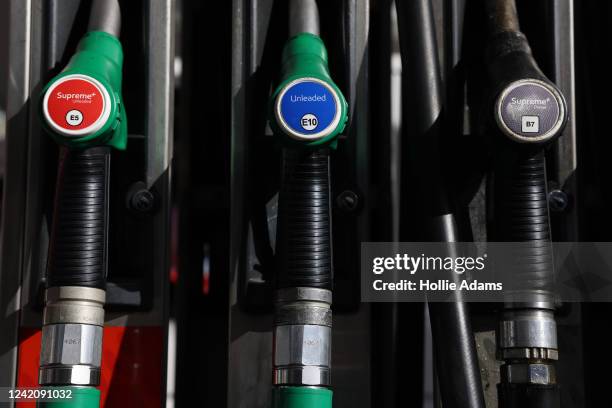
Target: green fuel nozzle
[(82, 106), (307, 107), (83, 111), (307, 112)]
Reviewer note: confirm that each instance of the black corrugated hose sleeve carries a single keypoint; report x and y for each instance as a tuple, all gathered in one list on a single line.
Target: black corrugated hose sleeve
[(303, 249), (521, 215), (528, 396), (78, 248)]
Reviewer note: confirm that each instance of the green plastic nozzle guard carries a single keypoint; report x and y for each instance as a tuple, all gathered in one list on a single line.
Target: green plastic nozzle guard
[(305, 56), (100, 56), (80, 397), (301, 397)]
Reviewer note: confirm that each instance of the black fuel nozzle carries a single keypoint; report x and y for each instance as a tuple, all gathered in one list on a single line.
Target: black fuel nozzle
[(525, 112), (528, 108)]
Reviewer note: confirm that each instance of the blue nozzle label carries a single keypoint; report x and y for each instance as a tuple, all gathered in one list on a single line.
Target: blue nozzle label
[(308, 109)]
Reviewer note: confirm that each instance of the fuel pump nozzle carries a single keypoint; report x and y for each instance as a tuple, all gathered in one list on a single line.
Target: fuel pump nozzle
[(308, 112), (83, 111), (526, 113)]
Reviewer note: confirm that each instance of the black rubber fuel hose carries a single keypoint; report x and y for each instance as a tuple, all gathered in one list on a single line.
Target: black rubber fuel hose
[(521, 216), (304, 249), (78, 249)]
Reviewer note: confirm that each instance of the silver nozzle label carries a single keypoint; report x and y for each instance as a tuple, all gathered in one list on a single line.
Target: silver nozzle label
[(530, 111)]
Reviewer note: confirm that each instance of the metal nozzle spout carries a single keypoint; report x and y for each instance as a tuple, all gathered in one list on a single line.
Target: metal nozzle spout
[(105, 16), (501, 15), (303, 17)]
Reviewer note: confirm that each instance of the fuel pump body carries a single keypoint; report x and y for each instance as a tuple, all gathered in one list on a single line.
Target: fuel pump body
[(136, 292), (231, 309)]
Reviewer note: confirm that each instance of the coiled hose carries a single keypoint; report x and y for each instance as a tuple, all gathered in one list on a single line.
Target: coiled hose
[(521, 207), (304, 220), (78, 251)]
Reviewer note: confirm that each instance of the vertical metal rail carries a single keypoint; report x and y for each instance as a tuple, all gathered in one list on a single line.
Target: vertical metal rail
[(352, 368), (566, 147), (14, 199), (160, 94), (250, 341), (566, 217), (159, 132)]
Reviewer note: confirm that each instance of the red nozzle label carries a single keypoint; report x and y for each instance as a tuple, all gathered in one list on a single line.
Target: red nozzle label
[(76, 105)]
